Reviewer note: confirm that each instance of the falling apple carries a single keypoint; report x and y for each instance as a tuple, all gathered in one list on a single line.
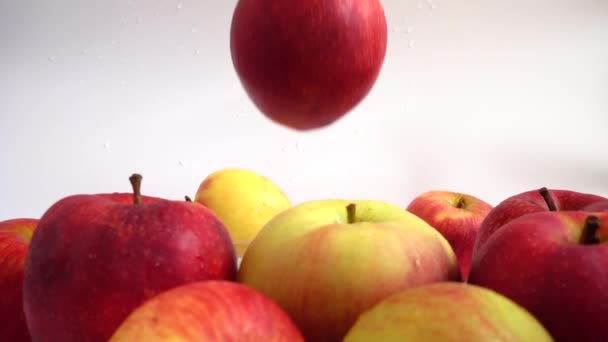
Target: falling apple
[(306, 63), (93, 258)]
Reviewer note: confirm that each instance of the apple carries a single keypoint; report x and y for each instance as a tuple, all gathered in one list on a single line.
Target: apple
[(533, 201), (326, 261), (305, 64), (211, 310), (457, 216), (244, 200), (15, 235), (95, 257), (445, 312), (555, 265)]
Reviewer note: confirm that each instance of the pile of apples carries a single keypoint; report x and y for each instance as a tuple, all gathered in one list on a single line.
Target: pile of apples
[(447, 267), (240, 262)]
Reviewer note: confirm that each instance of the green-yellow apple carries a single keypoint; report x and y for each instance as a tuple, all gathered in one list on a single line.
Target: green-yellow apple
[(457, 216), (447, 312), (244, 200), (93, 258), (211, 310), (554, 264), (306, 63), (15, 236), (326, 261), (533, 201)]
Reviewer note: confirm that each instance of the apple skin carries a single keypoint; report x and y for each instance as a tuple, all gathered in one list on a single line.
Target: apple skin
[(244, 200), (211, 310), (532, 201), (538, 261), (15, 236), (324, 270), (457, 216), (93, 258), (306, 63), (447, 312)]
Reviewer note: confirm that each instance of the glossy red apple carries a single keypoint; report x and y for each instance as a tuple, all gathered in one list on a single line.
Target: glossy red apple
[(15, 235), (94, 258), (533, 201), (554, 264), (211, 310), (306, 63), (457, 216)]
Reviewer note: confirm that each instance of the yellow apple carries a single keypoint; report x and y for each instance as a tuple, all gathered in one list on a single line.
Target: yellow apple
[(326, 261), (447, 312), (244, 200)]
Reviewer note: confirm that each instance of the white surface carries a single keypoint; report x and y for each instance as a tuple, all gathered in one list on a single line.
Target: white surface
[(491, 98)]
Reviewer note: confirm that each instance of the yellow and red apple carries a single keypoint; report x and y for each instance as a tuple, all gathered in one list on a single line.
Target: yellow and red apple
[(326, 261), (210, 310), (447, 312), (244, 200)]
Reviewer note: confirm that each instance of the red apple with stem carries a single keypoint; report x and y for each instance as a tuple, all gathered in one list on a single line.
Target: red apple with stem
[(211, 310), (457, 216), (533, 201), (554, 264), (94, 258), (306, 63), (15, 236)]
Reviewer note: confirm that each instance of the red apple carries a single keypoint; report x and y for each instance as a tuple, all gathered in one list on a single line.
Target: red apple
[(554, 264), (306, 63), (211, 310), (94, 258), (15, 235), (457, 216), (534, 201)]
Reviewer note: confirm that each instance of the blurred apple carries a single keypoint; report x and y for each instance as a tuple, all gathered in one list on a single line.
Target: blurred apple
[(94, 258), (534, 201), (457, 216), (210, 310), (447, 312), (244, 200), (554, 264), (326, 261), (306, 63), (15, 236)]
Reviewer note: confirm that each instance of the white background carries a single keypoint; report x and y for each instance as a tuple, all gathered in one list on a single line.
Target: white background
[(490, 98)]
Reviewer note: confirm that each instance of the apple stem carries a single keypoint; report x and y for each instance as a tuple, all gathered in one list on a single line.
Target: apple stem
[(136, 184), (589, 234), (350, 212), (548, 199), (461, 203), (188, 199)]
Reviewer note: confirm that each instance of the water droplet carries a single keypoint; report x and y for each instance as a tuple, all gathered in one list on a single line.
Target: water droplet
[(181, 163), (433, 6), (179, 6), (91, 255), (198, 52), (283, 149), (139, 20), (51, 58), (194, 30), (85, 51), (157, 264), (106, 145), (417, 261), (411, 44), (396, 29), (410, 29), (296, 145)]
